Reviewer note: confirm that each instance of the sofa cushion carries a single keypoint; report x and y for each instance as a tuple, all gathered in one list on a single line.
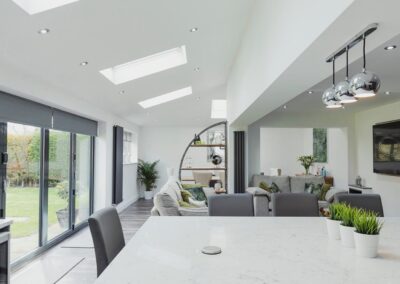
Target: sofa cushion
[(283, 182), (203, 211), (166, 201), (298, 183), (197, 193)]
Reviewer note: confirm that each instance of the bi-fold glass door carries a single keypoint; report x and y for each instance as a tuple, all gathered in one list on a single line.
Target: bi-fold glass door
[(47, 180)]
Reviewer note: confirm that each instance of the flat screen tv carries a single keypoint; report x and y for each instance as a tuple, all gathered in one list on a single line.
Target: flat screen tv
[(387, 148)]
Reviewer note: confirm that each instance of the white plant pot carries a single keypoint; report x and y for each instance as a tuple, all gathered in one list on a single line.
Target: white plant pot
[(366, 245), (347, 236), (333, 229), (148, 195)]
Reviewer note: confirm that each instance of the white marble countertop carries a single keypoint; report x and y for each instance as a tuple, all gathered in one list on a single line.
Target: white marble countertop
[(5, 222), (254, 250)]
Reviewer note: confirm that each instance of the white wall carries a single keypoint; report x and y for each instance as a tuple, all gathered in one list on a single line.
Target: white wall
[(387, 186), (280, 147)]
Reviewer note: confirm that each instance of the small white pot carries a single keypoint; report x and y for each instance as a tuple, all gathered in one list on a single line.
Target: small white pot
[(148, 195), (347, 236), (333, 229), (366, 245)]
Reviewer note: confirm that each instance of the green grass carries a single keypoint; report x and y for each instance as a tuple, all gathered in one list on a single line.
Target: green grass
[(24, 202)]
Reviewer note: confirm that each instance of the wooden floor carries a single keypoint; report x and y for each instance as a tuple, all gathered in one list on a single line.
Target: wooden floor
[(73, 260)]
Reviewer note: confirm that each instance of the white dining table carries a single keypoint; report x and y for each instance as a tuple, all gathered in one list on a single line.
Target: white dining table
[(254, 250)]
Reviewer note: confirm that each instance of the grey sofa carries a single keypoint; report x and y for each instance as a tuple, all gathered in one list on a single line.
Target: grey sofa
[(286, 184)]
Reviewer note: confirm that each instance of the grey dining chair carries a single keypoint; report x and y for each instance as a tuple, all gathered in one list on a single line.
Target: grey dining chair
[(295, 204), (231, 205), (108, 238), (369, 202)]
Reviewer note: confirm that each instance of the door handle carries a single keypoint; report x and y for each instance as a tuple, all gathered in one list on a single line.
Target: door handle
[(4, 158)]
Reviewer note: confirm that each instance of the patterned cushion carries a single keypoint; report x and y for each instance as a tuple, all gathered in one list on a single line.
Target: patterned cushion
[(197, 193), (283, 182)]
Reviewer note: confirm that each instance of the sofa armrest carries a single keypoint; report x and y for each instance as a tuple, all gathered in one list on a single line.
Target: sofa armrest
[(184, 211), (329, 197), (154, 212)]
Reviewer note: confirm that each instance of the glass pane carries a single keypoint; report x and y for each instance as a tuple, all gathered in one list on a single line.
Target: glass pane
[(58, 205), (22, 200), (82, 190)]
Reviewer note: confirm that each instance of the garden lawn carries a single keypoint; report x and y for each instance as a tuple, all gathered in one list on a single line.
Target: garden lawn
[(23, 203)]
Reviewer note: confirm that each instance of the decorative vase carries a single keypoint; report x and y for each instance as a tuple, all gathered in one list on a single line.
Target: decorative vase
[(333, 229), (366, 245), (148, 194), (347, 236)]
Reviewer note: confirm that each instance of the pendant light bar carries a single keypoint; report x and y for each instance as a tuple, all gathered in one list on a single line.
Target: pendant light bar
[(353, 41)]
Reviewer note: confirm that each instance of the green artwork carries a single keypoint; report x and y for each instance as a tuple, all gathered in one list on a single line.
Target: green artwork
[(320, 149)]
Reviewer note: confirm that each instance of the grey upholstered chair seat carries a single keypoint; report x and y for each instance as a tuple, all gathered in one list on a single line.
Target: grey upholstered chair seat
[(231, 205), (295, 204), (105, 227), (370, 202)]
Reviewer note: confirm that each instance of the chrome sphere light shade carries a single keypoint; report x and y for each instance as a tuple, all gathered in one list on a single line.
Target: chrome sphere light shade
[(343, 92), (365, 84), (329, 96)]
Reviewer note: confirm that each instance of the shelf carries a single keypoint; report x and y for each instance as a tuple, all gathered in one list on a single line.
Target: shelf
[(203, 169), (208, 145)]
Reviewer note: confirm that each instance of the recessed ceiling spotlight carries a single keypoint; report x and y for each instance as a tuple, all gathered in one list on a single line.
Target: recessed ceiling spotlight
[(122, 92), (390, 47), (43, 31), (387, 93), (284, 107), (83, 63), (196, 69), (197, 98), (310, 92), (192, 30)]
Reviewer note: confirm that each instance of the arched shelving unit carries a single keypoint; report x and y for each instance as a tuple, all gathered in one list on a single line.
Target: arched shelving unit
[(192, 145)]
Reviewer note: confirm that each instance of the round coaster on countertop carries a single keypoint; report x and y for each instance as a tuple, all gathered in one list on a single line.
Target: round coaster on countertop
[(211, 250)]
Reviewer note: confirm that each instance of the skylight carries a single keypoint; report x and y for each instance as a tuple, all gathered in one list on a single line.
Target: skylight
[(218, 109), (37, 6), (166, 97), (146, 66)]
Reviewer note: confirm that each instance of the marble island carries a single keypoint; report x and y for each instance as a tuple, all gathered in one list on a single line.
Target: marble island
[(254, 250)]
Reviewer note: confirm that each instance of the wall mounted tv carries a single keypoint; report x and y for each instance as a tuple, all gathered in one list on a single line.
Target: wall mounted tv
[(387, 148)]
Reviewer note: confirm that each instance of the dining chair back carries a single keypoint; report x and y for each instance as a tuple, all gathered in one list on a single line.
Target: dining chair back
[(231, 205), (369, 202), (295, 204), (108, 238)]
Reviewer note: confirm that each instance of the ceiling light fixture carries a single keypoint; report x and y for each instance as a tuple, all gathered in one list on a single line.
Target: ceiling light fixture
[(390, 47), (342, 90), (37, 6), (362, 85), (146, 66), (121, 92), (166, 97), (196, 69), (218, 109), (310, 92), (329, 96), (83, 63), (365, 84), (193, 30), (43, 31), (387, 93)]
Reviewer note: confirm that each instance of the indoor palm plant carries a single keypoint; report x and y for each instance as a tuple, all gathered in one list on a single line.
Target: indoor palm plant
[(366, 236), (147, 175), (348, 214), (306, 161), (333, 220)]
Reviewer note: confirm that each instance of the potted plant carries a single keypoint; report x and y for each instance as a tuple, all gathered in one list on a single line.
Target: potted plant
[(366, 236), (347, 226), (306, 162), (147, 175), (333, 220)]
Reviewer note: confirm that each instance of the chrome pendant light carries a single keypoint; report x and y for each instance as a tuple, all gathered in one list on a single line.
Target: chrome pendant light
[(343, 92), (365, 84), (329, 96)]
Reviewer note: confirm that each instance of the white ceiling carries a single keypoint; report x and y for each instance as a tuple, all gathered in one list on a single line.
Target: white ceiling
[(107, 33), (384, 63)]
